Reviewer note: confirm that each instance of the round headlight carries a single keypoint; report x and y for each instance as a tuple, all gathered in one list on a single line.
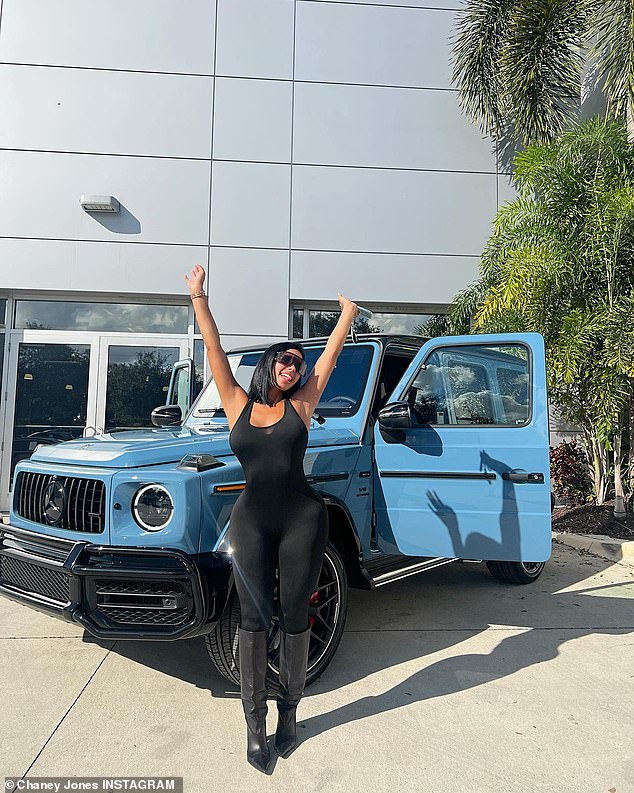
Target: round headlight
[(152, 507)]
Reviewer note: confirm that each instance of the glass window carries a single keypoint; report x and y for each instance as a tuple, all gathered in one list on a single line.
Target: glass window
[(513, 385), (321, 323), (2, 341), (298, 323), (343, 393), (138, 380), (111, 317), (426, 395), (51, 396), (470, 392), (473, 384), (199, 366), (3, 311), (180, 389)]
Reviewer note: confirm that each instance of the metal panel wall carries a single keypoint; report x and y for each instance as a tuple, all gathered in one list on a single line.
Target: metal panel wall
[(296, 147)]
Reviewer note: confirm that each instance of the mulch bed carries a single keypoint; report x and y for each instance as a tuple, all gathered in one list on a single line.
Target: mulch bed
[(591, 519)]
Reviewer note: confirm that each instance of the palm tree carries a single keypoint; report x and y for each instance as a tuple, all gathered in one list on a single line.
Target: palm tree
[(520, 64), (561, 262)]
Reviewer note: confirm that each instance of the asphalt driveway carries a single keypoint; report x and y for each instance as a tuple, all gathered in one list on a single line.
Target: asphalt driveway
[(447, 681)]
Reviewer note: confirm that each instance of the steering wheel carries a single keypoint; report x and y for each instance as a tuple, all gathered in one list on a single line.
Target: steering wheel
[(342, 399)]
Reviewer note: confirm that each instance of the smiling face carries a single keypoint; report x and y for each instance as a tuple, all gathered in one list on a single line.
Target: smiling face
[(285, 374)]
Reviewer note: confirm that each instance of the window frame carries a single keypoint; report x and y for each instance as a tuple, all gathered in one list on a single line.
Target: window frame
[(495, 395), (104, 300)]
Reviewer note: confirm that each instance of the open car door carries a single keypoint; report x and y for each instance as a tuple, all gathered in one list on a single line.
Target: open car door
[(462, 452)]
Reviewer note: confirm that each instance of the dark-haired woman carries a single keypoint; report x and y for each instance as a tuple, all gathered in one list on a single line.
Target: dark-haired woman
[(278, 519)]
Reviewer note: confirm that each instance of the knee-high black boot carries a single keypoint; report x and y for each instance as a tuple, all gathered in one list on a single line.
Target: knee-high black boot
[(293, 663), (253, 657)]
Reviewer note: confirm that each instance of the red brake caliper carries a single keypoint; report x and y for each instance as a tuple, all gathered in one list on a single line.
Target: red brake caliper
[(313, 602)]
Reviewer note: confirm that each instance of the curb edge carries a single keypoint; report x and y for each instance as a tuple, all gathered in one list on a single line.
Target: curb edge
[(599, 545)]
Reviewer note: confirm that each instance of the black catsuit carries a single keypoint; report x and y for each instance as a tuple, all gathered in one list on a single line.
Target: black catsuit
[(278, 520)]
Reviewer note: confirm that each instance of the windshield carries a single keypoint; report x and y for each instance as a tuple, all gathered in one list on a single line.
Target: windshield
[(342, 396)]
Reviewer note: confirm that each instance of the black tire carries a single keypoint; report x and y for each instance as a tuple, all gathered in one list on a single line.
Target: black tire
[(326, 614), (516, 572)]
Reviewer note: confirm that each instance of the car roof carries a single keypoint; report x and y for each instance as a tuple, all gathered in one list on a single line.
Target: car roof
[(382, 338)]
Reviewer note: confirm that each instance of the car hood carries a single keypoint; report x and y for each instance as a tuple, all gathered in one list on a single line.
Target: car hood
[(138, 448)]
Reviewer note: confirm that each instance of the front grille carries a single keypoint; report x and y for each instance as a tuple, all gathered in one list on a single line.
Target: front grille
[(142, 602), (33, 578), (130, 616), (136, 587), (84, 501)]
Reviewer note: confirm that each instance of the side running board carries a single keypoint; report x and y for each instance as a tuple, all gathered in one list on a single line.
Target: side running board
[(385, 573)]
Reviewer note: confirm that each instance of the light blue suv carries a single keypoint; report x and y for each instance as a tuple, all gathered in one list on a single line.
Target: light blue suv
[(425, 451)]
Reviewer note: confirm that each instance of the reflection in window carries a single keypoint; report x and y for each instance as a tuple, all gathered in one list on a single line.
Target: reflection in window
[(180, 389), (321, 323), (138, 379), (474, 384), (109, 317), (470, 392), (2, 340), (298, 323), (426, 396), (513, 384), (51, 396), (199, 366), (3, 312)]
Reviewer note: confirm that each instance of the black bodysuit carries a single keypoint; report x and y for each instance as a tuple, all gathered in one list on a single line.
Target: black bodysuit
[(278, 520)]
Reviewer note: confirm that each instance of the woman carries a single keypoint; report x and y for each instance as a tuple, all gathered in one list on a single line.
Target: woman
[(278, 519)]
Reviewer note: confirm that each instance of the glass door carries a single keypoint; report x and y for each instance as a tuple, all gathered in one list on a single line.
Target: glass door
[(134, 377), (64, 385), (3, 387), (52, 378)]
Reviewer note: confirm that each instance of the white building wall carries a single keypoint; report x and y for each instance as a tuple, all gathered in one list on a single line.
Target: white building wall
[(295, 148)]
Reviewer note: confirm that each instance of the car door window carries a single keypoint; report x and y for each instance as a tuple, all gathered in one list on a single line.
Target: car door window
[(426, 396), (470, 391), (472, 385), (513, 385)]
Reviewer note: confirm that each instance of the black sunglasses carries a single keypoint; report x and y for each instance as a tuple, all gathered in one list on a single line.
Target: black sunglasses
[(288, 358)]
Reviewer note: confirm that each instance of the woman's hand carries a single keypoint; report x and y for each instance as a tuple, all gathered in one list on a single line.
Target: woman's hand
[(347, 305), (196, 279)]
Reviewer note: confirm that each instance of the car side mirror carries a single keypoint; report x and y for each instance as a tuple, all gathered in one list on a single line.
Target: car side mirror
[(395, 416), (167, 415)]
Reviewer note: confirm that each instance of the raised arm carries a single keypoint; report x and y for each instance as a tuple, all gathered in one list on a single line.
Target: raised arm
[(232, 395), (310, 393)]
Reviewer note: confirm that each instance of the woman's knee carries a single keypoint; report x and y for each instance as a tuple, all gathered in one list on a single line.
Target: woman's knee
[(295, 621), (256, 603), (253, 623)]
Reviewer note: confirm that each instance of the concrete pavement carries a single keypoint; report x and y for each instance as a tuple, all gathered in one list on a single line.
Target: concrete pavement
[(447, 681)]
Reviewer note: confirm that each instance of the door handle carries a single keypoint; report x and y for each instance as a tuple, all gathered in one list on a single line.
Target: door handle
[(523, 476)]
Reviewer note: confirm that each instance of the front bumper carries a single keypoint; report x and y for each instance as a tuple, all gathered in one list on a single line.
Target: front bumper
[(113, 592)]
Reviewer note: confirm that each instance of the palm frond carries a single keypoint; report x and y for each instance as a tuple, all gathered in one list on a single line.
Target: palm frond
[(464, 306), (613, 50), (480, 35), (541, 64)]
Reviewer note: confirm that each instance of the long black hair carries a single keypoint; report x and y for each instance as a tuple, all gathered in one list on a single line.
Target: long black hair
[(263, 378)]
